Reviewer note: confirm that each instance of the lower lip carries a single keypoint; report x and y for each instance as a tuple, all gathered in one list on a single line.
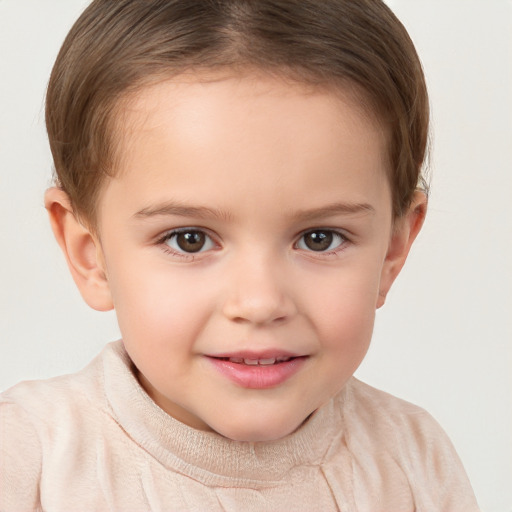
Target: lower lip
[(258, 376)]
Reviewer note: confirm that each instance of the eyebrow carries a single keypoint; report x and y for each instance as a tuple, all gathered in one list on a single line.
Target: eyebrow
[(334, 209), (181, 210), (203, 212)]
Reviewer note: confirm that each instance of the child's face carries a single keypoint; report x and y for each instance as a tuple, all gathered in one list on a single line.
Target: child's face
[(250, 221)]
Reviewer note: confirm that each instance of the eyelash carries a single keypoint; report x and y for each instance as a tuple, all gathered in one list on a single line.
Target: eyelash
[(342, 238), (163, 242)]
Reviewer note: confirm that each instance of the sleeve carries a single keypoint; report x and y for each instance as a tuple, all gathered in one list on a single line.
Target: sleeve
[(20, 460), (441, 481)]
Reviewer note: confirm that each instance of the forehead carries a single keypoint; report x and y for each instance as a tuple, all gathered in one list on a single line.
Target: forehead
[(245, 132), (189, 97)]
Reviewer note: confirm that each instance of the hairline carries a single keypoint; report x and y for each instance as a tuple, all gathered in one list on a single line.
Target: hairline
[(344, 89)]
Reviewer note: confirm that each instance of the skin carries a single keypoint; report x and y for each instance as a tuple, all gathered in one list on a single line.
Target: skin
[(254, 163)]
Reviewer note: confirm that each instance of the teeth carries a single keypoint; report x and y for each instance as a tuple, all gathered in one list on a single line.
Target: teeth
[(256, 362)]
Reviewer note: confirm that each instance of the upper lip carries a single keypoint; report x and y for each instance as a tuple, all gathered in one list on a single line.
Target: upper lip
[(256, 354)]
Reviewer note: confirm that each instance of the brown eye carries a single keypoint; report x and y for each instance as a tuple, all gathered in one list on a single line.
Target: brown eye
[(189, 241), (320, 240), (192, 241)]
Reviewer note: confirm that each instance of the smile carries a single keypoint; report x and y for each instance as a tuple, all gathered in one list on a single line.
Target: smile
[(257, 362), (254, 372)]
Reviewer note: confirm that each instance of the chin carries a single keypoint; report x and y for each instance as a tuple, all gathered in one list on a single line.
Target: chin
[(258, 431)]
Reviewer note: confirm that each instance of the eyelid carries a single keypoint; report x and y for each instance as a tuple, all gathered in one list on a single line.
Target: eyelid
[(345, 239), (167, 235)]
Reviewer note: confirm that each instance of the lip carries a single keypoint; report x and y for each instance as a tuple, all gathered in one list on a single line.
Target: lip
[(256, 354), (258, 376)]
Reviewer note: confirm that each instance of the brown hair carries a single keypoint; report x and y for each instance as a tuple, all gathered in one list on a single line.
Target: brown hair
[(117, 46)]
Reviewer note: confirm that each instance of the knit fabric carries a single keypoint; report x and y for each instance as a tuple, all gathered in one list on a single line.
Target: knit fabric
[(95, 441)]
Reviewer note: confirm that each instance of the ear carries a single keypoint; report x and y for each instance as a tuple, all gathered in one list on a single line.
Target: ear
[(81, 249), (405, 230)]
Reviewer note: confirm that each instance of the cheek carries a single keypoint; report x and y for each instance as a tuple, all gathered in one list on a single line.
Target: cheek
[(344, 312), (158, 324), (346, 324), (156, 305)]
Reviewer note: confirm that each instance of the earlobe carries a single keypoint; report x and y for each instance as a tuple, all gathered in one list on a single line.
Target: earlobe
[(82, 250), (404, 233)]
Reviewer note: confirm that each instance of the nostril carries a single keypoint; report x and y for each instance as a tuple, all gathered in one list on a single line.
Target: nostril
[(239, 320), (275, 321)]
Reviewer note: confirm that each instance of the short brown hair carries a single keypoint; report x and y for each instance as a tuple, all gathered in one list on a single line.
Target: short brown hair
[(117, 46)]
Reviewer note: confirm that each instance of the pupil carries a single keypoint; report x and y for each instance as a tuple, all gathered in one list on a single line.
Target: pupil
[(191, 241), (318, 240)]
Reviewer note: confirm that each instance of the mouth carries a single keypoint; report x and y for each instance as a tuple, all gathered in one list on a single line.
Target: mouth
[(251, 361), (258, 371)]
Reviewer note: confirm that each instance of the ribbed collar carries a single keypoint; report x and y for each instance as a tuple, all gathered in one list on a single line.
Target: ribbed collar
[(205, 456)]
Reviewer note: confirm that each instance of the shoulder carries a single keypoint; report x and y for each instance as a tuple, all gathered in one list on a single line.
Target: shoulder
[(389, 426), (54, 407), (20, 459), (383, 412), (42, 400), (39, 422), (42, 409), (404, 439), (31, 416)]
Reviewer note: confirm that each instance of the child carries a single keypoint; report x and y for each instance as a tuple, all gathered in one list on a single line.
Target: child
[(241, 182)]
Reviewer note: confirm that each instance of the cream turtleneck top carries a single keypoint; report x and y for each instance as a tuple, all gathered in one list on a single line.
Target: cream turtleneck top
[(95, 441)]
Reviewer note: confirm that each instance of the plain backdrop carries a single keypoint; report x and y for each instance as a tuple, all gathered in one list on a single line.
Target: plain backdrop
[(443, 340)]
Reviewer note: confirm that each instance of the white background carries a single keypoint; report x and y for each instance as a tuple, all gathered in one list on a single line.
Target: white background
[(443, 341)]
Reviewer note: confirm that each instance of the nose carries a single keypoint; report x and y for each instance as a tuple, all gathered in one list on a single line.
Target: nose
[(258, 293)]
